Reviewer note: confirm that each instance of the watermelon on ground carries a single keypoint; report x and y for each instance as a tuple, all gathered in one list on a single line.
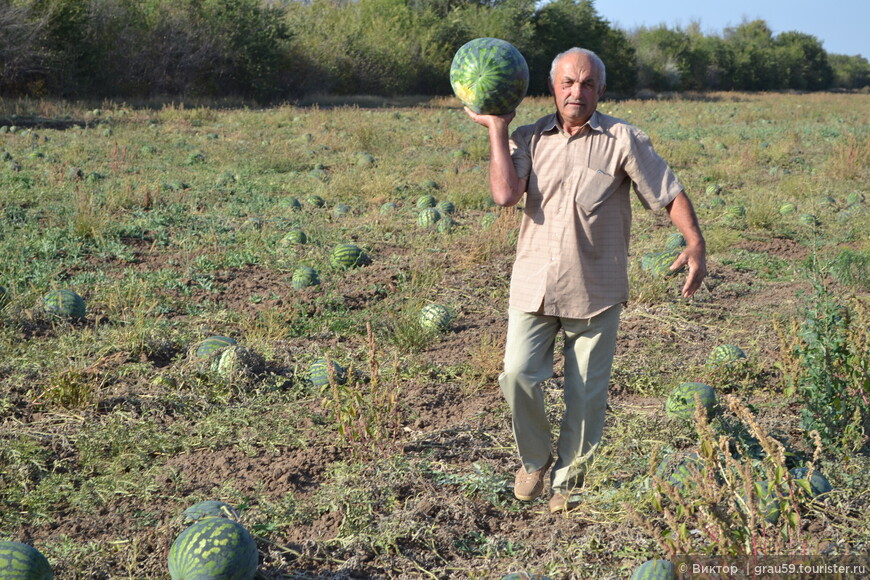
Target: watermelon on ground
[(213, 549), (23, 562), (725, 355), (64, 303), (318, 372), (681, 402), (428, 217), (435, 317), (655, 570), (210, 508), (305, 276), (659, 263), (426, 200), (348, 256), (4, 297), (212, 345), (817, 482), (490, 76)]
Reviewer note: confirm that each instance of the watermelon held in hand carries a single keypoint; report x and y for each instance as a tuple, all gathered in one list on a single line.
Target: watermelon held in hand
[(23, 562), (490, 76), (64, 304), (214, 549), (655, 570)]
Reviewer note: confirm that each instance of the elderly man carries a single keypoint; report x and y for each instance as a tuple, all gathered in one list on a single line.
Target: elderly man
[(575, 168)]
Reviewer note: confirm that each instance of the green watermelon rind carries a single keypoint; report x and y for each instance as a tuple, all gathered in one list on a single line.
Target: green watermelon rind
[(489, 76), (347, 256), (725, 355), (64, 303), (213, 549), (210, 508), (435, 317), (23, 562), (305, 276), (213, 345), (428, 217), (318, 373), (655, 569), (680, 403)]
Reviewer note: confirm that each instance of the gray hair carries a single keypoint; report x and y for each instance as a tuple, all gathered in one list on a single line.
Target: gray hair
[(599, 64)]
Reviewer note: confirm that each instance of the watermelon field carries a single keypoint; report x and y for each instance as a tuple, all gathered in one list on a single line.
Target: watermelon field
[(300, 311)]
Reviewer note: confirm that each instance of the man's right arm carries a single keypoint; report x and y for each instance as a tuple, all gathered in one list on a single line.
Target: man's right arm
[(506, 187)]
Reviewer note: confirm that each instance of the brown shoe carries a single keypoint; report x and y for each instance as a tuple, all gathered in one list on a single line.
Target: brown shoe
[(562, 502), (528, 486)]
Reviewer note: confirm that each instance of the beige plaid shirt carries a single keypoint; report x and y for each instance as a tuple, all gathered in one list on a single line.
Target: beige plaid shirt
[(572, 251)]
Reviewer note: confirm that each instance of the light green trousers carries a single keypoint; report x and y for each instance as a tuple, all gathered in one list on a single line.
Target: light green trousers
[(589, 348)]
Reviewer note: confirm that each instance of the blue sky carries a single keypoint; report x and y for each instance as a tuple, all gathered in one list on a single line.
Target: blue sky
[(840, 25)]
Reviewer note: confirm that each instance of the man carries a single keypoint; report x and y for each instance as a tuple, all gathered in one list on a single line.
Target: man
[(575, 168)]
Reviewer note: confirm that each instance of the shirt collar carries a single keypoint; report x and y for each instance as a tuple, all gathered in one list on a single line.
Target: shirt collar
[(551, 123)]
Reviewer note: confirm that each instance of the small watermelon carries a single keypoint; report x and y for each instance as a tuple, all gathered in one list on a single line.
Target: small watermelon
[(292, 203), (524, 576), (318, 373), (348, 256), (489, 76), (64, 303), (655, 570), (854, 198), (4, 297), (445, 207), (429, 184), (818, 483), (428, 217), (315, 200), (389, 207), (435, 317), (768, 501), (736, 211), (445, 225), (212, 345), (213, 549), (426, 200), (810, 220), (725, 355), (305, 276), (681, 402), (787, 208), (209, 508), (238, 363), (365, 160), (294, 237), (713, 189), (23, 562), (341, 210)]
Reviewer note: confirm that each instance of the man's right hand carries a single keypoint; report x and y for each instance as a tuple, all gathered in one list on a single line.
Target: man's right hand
[(491, 121)]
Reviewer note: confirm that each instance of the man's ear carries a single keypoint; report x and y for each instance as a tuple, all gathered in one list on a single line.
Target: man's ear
[(550, 86), (601, 91)]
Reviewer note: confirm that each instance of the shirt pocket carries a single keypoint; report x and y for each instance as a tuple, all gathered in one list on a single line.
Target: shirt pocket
[(594, 187)]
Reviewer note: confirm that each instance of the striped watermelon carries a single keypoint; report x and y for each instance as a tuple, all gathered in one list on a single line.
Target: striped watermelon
[(318, 373), (213, 345), (428, 217), (238, 362), (341, 210), (213, 549), (445, 207), (681, 402), (787, 208), (678, 470), (675, 241), (305, 276), (426, 200), (209, 508), (389, 207), (655, 570), (809, 219), (348, 256), (435, 317), (659, 263), (725, 355), (64, 303), (4, 297), (489, 76), (315, 200), (445, 225), (294, 237), (22, 562), (292, 203)]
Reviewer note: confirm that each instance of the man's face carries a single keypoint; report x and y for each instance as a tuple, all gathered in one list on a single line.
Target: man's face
[(576, 88)]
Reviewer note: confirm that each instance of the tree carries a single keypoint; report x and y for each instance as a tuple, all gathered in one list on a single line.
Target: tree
[(804, 61), (850, 72)]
